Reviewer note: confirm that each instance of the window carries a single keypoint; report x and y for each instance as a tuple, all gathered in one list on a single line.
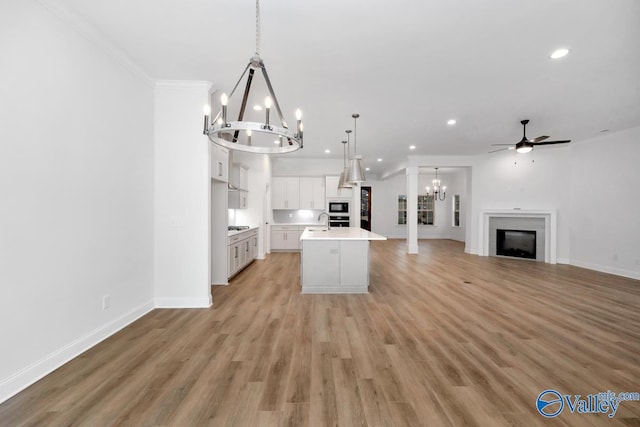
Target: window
[(425, 210), (456, 211), (402, 210)]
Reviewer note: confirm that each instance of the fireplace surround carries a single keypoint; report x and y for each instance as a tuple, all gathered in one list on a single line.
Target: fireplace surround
[(545, 221)]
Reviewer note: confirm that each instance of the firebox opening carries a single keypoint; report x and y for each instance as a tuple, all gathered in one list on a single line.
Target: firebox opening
[(516, 243)]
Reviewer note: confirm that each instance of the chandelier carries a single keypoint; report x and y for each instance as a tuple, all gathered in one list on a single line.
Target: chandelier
[(439, 193), (250, 136)]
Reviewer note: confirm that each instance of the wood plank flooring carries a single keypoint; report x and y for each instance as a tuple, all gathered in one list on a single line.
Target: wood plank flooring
[(443, 339)]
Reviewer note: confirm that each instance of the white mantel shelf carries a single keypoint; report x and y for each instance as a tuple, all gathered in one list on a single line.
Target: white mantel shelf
[(550, 220)]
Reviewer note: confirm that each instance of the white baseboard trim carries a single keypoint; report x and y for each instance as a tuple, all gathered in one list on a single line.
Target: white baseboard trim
[(606, 269), (34, 372), (203, 302), (563, 261)]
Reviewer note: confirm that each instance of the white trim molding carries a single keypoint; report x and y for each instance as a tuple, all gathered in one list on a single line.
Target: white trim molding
[(20, 380), (550, 226)]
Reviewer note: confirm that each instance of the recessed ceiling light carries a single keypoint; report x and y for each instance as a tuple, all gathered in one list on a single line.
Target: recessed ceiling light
[(257, 107), (451, 122), (327, 151), (367, 169), (379, 160), (276, 142), (511, 148), (557, 54), (412, 147)]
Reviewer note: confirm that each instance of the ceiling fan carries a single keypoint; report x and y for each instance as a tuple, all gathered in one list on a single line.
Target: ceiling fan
[(525, 145)]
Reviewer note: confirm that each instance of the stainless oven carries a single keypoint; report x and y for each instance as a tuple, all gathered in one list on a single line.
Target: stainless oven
[(338, 208), (339, 220)]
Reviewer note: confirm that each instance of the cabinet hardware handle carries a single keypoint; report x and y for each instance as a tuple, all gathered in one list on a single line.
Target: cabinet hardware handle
[(219, 168)]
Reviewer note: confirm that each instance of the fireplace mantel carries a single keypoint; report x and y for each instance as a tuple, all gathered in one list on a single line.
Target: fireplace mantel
[(550, 222)]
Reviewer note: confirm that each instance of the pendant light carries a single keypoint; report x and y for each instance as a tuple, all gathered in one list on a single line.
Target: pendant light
[(343, 182), (439, 191), (355, 175)]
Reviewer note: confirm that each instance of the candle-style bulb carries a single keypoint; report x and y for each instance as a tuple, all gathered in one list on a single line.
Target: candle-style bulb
[(298, 114), (224, 99), (206, 109), (249, 132), (267, 102)]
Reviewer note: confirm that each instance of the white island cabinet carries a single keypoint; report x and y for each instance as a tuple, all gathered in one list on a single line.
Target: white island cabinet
[(336, 261)]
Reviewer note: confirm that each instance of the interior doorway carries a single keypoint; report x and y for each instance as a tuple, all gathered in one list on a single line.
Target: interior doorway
[(365, 208)]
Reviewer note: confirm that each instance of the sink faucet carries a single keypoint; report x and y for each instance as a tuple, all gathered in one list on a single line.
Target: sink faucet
[(320, 216)]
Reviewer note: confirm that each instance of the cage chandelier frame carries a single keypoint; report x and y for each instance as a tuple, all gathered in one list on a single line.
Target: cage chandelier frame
[(226, 133), (439, 191)]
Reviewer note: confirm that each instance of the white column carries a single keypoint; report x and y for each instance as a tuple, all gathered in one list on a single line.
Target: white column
[(182, 196), (412, 209)]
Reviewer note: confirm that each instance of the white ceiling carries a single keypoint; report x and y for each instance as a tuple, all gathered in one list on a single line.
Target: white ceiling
[(406, 66)]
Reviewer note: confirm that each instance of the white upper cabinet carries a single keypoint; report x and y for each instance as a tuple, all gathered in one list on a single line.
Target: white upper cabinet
[(219, 162), (312, 193), (286, 193)]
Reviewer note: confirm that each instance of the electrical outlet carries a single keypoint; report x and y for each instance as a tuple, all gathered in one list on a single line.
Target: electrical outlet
[(106, 302)]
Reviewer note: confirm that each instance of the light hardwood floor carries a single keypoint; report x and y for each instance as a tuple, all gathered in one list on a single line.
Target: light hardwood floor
[(443, 338)]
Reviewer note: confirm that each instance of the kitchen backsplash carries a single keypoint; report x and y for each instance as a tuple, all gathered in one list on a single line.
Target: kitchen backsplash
[(301, 216)]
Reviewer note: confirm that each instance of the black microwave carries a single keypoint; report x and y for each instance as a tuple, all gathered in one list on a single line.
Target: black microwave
[(339, 207)]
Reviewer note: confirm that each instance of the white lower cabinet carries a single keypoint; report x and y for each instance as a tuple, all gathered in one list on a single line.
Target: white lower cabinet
[(286, 237), (242, 250)]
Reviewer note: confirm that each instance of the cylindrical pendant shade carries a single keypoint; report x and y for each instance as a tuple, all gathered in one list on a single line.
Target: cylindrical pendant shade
[(355, 175)]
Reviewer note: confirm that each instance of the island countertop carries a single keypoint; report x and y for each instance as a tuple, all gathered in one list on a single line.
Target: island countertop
[(339, 233)]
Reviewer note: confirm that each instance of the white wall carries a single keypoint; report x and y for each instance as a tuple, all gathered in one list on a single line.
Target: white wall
[(385, 206), (605, 209), (290, 166), (539, 180), (76, 179), (182, 196)]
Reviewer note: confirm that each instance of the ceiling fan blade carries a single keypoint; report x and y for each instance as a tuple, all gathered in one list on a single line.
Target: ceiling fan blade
[(540, 138), (500, 149), (552, 142)]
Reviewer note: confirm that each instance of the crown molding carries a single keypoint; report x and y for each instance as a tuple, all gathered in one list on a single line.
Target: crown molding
[(95, 37)]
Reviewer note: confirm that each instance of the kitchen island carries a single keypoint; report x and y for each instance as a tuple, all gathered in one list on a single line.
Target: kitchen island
[(335, 261)]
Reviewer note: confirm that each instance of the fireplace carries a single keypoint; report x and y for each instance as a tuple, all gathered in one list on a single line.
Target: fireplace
[(516, 243), (544, 222)]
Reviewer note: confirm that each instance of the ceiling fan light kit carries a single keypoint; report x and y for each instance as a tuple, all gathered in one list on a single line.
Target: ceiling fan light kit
[(227, 133), (526, 145)]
